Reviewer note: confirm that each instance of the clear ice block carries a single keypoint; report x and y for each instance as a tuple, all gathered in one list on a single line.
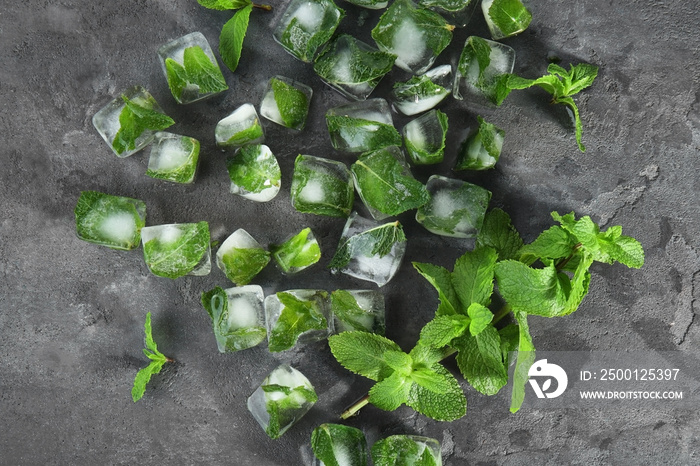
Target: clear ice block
[(283, 398), (241, 257), (407, 450), (362, 126), (306, 25), (173, 158), (425, 136), (504, 23), (482, 149), (322, 187), (415, 35), (286, 102), (191, 68), (456, 208), (370, 4), (358, 310), (358, 254), (483, 66), (254, 173), (352, 67), (240, 128), (297, 317), (107, 220), (336, 444), (297, 253), (177, 249), (423, 92), (238, 316), (456, 12), (139, 133)]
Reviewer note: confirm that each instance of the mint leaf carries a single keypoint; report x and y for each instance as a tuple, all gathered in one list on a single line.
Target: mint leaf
[(553, 243), (405, 450), (348, 61), (377, 241), (254, 168), (97, 214), (482, 149), (229, 336), (535, 291), (448, 405), (183, 173), (345, 308), (431, 379), (426, 356), (297, 316), (298, 252), (360, 135), (174, 256), (399, 361), (202, 72), (176, 76), (135, 118), (241, 265), (224, 4), (157, 361), (480, 360), (363, 353), (302, 37), (525, 359), (443, 329), (291, 103), (391, 392), (510, 17), (499, 233), (423, 150), (441, 279), (232, 36), (322, 187), (472, 277), (481, 318), (349, 440)]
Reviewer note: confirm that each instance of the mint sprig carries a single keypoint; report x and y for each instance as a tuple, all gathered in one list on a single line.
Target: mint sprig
[(232, 36), (157, 358)]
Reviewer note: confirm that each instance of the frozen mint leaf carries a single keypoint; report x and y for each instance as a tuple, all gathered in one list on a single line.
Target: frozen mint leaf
[(480, 360), (375, 135), (322, 187), (381, 240), (232, 36), (224, 4), (482, 149), (185, 172), (553, 243), (302, 38), (384, 184), (510, 16), (282, 403), (359, 63), (297, 316), (243, 264), (215, 302), (176, 76), (298, 252), (229, 339), (448, 405), (327, 438), (402, 450), (254, 168), (441, 279), (525, 359), (472, 277), (418, 87), (291, 103), (499, 233), (112, 221), (157, 361), (135, 118), (249, 134), (481, 318), (344, 307), (443, 329), (202, 72), (175, 258), (391, 392), (422, 151), (362, 353), (447, 5)]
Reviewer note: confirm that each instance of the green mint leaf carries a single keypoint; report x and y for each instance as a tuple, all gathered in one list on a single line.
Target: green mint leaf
[(243, 264), (579, 126), (362, 353), (135, 118), (350, 440), (441, 279), (481, 318), (472, 277), (202, 72), (448, 405), (229, 338), (490, 80), (303, 41), (499, 233), (526, 357), (347, 61), (215, 302), (345, 308), (426, 356), (176, 258), (148, 339), (480, 360), (224, 4), (509, 16), (96, 214), (402, 450), (254, 168), (157, 361), (510, 336), (482, 149), (375, 241), (386, 185), (578, 78), (535, 291), (443, 329), (241, 138), (432, 380), (232, 36), (420, 149), (176, 76), (418, 87), (298, 252), (399, 361), (553, 243), (291, 103), (391, 392), (364, 134), (297, 316)]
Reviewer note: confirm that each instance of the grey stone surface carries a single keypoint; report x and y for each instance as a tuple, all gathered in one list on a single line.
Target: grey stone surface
[(71, 313)]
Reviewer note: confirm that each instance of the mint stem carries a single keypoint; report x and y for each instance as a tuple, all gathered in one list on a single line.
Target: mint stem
[(504, 311), (355, 408), (262, 7)]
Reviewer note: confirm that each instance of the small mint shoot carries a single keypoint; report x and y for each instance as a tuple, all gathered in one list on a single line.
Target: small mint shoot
[(157, 358)]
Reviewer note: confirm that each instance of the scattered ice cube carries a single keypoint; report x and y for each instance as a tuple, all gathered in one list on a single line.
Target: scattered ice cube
[(238, 316), (297, 252), (173, 158), (423, 92), (306, 25), (362, 126), (112, 221), (456, 12), (406, 450), (177, 249), (482, 149), (456, 208), (240, 128), (297, 317), (241, 257), (254, 173), (322, 186), (283, 398), (370, 4), (348, 446), (516, 21), (286, 102), (477, 74), (424, 138), (364, 311)]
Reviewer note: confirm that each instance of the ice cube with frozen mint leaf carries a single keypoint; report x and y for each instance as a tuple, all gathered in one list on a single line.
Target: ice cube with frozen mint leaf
[(385, 184), (322, 186), (286, 102), (407, 450), (297, 317), (456, 208), (483, 70), (421, 93), (339, 445), (369, 250), (241, 257), (415, 35), (505, 18), (254, 173), (358, 310), (297, 253), (241, 127), (107, 220), (173, 158), (191, 68), (352, 67), (456, 12), (237, 315), (129, 122), (306, 25), (370, 4), (482, 149), (362, 126), (177, 249), (425, 136)]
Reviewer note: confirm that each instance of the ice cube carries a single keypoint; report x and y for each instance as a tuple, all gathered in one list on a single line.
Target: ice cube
[(286, 102), (241, 258), (482, 67), (456, 12), (424, 138), (306, 25), (357, 243), (254, 173), (322, 186), (191, 68), (362, 126), (283, 398), (358, 310), (177, 249), (112, 221), (240, 128), (352, 67), (297, 317), (502, 24), (406, 450), (106, 121), (423, 92), (298, 252), (339, 445), (173, 158), (415, 35), (456, 208), (482, 149), (238, 316), (370, 4)]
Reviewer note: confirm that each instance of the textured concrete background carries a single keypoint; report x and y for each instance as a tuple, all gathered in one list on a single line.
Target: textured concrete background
[(71, 313)]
